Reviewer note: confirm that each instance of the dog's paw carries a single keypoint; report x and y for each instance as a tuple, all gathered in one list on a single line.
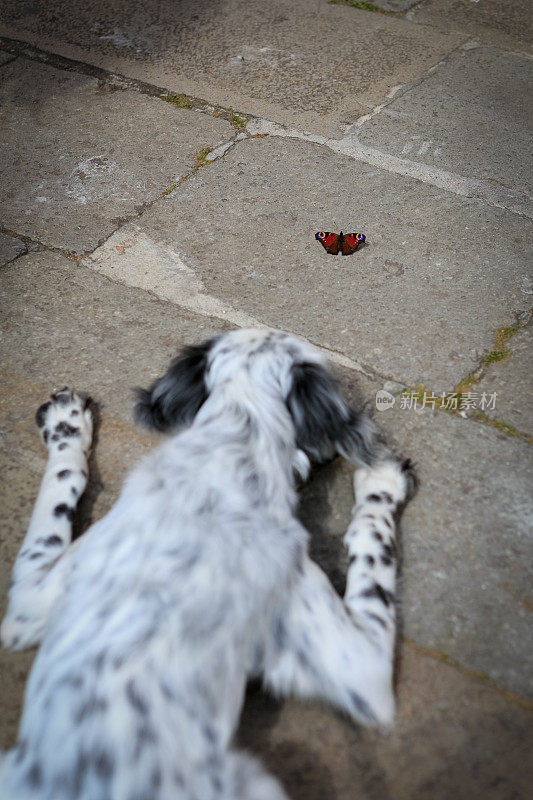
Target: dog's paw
[(65, 421), (20, 632), (390, 481)]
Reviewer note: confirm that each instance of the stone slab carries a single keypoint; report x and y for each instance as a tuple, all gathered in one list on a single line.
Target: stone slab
[(512, 381), (395, 6), (5, 57), (468, 542), (454, 738), (10, 248), (471, 116), (83, 158), (506, 25), (317, 67), (418, 304)]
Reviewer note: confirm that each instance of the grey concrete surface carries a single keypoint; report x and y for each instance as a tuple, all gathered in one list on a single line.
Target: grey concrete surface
[(10, 248), (492, 103), (511, 381), (88, 157), (416, 303), (318, 66), (506, 25), (5, 57), (445, 267)]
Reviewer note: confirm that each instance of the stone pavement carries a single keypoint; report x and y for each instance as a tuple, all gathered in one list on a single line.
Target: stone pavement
[(165, 168)]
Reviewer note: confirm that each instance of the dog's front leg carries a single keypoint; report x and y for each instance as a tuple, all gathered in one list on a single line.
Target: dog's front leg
[(370, 596), (343, 650), (66, 429)]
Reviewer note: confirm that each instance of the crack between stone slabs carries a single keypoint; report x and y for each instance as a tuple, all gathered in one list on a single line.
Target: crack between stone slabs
[(396, 91), (404, 88), (481, 677), (119, 82), (5, 63), (434, 176), (464, 387), (476, 37), (36, 246)]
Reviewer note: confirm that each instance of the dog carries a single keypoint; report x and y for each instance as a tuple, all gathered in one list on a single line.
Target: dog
[(151, 623)]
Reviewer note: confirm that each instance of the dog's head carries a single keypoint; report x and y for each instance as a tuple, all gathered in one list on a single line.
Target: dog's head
[(270, 363)]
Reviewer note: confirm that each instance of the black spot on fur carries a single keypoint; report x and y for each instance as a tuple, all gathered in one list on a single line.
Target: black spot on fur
[(64, 473), (103, 764), (377, 536), (370, 560), (66, 430), (74, 412), (178, 779), (46, 434), (35, 776), (40, 414), (74, 491), (361, 706), (210, 734), (386, 561), (352, 560), (376, 618), (62, 399), (63, 510), (99, 660), (144, 736), (373, 498), (136, 700), (62, 446), (280, 633), (380, 593), (36, 555), (387, 522), (21, 750), (84, 473), (53, 541), (80, 770), (156, 778), (74, 681), (96, 705)]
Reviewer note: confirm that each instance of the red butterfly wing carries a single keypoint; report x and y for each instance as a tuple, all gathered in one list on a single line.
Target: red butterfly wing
[(350, 242), (329, 240)]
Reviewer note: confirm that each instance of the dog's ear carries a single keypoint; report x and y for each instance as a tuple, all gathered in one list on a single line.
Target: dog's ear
[(174, 399), (324, 423)]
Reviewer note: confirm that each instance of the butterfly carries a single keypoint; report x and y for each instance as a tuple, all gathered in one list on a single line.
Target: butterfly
[(347, 243)]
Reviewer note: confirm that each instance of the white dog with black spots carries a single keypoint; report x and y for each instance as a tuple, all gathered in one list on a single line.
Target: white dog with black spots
[(151, 623)]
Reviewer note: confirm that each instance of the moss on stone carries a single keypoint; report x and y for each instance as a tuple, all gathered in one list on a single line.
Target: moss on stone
[(359, 4), (200, 158), (238, 122), (178, 100)]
